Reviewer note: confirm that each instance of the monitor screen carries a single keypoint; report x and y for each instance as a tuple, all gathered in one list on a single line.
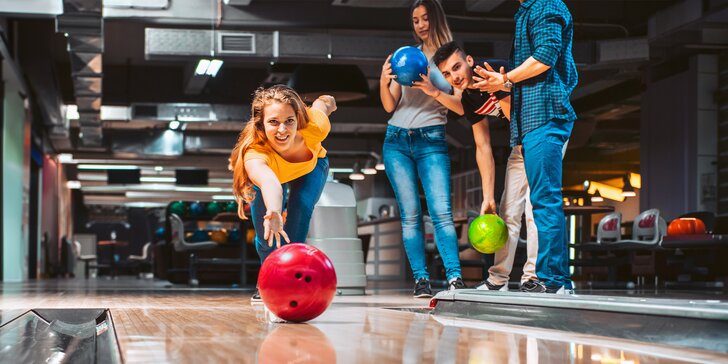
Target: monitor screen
[(123, 176), (191, 176)]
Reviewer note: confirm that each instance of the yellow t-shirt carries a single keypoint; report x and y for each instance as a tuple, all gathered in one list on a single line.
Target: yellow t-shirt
[(313, 134)]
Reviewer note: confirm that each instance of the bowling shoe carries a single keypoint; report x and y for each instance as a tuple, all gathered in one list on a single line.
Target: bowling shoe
[(271, 317), (422, 288), (487, 286), (540, 287), (256, 297), (456, 283)]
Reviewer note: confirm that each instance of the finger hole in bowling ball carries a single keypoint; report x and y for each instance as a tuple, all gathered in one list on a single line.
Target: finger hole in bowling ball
[(299, 275), (293, 303), (308, 279)]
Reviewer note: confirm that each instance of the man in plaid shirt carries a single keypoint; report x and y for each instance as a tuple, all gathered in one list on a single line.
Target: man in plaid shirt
[(542, 77)]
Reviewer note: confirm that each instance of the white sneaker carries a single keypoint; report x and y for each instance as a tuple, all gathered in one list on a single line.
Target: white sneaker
[(487, 286), (271, 317)]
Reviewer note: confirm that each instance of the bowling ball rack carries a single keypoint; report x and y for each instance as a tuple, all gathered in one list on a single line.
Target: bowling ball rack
[(233, 252)]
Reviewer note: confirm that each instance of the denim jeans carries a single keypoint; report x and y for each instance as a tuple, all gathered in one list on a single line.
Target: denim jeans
[(421, 153), (515, 201), (302, 194), (542, 153)]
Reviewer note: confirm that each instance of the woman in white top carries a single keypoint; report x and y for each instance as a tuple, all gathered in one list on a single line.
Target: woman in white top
[(415, 148)]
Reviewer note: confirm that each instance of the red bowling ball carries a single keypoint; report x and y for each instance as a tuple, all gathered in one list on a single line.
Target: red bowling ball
[(297, 282)]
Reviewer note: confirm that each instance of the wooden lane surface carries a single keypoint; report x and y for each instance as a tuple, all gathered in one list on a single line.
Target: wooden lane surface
[(207, 327)]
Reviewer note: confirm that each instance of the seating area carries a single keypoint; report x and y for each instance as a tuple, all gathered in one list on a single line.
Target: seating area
[(616, 260)]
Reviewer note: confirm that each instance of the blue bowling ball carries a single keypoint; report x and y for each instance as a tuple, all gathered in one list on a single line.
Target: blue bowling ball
[(159, 233), (196, 209), (408, 63), (200, 235), (234, 236)]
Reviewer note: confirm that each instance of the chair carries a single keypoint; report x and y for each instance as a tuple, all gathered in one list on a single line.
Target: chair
[(181, 245), (596, 257), (648, 229), (609, 228), (86, 259), (144, 260)]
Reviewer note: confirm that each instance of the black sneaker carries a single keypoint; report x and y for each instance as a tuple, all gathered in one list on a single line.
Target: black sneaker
[(456, 284), (256, 297), (487, 286), (533, 287), (540, 287), (422, 288)]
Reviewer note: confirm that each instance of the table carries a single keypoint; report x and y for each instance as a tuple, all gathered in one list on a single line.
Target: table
[(112, 244)]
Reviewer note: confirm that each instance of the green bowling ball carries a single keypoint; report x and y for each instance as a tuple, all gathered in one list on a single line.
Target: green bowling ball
[(231, 206), (488, 233), (178, 208), (214, 208)]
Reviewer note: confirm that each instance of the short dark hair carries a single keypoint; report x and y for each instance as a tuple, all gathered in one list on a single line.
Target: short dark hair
[(445, 51)]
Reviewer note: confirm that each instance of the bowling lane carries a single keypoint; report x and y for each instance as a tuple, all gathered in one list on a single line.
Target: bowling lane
[(186, 326), (363, 330)]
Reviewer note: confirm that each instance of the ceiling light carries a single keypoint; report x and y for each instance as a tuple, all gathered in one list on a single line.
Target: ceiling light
[(605, 190), (635, 179), (223, 197), (597, 197), (379, 166), (368, 168), (107, 166), (73, 185), (208, 67), (214, 67), (158, 179), (628, 190), (202, 66), (356, 176), (174, 125), (65, 158)]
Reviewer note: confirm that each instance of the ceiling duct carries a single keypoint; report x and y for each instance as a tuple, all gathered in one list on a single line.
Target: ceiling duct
[(161, 43), (186, 112), (82, 22)]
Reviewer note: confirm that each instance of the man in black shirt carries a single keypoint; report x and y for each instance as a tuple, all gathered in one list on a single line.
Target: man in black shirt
[(458, 70)]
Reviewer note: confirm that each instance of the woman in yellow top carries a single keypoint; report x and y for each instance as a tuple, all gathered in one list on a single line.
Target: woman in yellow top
[(278, 156)]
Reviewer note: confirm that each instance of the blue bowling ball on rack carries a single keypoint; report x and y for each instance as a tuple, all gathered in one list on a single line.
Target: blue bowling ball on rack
[(159, 233), (408, 63), (200, 235), (196, 209), (234, 235)]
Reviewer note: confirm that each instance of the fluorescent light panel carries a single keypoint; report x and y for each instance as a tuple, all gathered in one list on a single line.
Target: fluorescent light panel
[(214, 67), (107, 166), (158, 179), (208, 67), (202, 66)]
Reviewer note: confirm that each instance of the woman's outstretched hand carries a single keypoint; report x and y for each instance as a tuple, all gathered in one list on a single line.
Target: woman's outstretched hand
[(273, 223)]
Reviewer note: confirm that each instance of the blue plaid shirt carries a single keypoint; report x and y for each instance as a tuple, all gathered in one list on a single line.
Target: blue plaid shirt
[(544, 30)]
